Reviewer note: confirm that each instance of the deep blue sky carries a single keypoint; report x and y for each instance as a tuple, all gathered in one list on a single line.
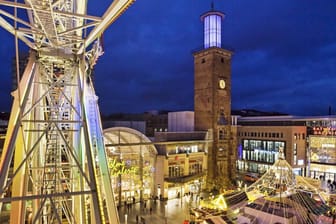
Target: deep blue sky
[(284, 55)]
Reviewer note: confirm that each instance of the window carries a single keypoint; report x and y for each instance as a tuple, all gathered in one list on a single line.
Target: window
[(176, 171), (221, 135)]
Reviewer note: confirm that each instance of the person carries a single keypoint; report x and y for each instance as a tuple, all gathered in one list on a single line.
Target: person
[(150, 210), (137, 219)]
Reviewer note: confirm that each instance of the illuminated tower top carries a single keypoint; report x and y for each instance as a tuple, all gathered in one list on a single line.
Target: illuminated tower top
[(212, 27)]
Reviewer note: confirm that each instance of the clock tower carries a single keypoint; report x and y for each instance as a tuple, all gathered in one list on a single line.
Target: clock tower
[(212, 100)]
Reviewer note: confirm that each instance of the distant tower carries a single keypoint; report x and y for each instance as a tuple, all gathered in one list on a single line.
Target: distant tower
[(212, 100)]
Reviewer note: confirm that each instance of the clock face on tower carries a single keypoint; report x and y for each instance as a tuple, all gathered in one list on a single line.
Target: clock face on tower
[(221, 84)]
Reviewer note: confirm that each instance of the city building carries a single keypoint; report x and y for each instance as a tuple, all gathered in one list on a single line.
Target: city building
[(181, 164), (262, 138), (177, 158), (321, 150), (131, 161), (212, 100), (308, 143), (181, 121)]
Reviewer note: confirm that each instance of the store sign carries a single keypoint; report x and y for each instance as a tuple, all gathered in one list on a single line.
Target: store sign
[(120, 168), (324, 131), (328, 146)]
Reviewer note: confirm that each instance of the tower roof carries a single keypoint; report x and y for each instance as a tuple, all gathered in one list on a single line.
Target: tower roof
[(218, 13), (212, 12)]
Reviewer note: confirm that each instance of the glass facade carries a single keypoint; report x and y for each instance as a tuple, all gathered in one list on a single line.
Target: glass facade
[(323, 150), (322, 156), (258, 155), (262, 150), (212, 31), (131, 164)]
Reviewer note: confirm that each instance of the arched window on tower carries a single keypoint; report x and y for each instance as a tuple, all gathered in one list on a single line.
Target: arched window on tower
[(221, 134), (222, 120)]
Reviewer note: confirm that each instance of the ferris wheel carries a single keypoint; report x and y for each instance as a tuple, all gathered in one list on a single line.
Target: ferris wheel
[(53, 166)]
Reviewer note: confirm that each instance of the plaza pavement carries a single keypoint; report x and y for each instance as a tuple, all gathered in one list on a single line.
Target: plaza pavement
[(172, 211)]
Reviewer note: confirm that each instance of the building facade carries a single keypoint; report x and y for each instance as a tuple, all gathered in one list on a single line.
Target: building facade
[(308, 143), (262, 139), (181, 163), (131, 159), (321, 154)]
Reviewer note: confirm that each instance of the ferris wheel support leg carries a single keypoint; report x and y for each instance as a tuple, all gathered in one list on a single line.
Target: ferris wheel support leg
[(95, 207), (14, 125), (19, 182), (105, 175)]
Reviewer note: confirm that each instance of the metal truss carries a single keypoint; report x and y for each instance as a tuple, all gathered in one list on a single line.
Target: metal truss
[(53, 167)]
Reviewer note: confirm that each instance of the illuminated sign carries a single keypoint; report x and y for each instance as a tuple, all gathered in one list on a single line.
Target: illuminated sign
[(120, 168), (328, 146), (327, 131)]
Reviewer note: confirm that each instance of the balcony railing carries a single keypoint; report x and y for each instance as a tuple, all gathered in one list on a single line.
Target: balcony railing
[(184, 179)]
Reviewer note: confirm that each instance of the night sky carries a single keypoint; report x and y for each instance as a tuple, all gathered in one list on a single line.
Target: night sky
[(284, 55)]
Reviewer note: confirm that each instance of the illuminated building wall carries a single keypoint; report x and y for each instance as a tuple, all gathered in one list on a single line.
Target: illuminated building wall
[(322, 147), (181, 163), (322, 154), (261, 138), (131, 158)]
